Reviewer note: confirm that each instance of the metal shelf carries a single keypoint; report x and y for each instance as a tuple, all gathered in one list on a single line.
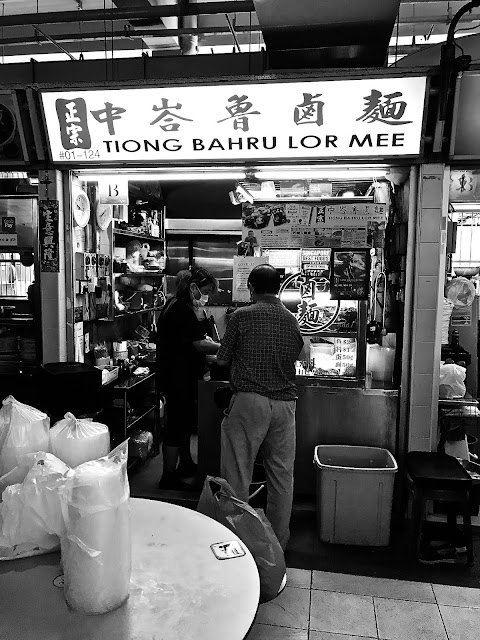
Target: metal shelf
[(132, 381), (133, 421), (134, 234), (140, 273), (16, 321), (136, 312), (336, 334)]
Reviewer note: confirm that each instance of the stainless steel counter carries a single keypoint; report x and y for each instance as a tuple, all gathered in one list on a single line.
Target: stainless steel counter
[(325, 415)]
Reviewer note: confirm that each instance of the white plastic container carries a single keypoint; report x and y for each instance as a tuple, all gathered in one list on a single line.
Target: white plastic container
[(96, 547), (354, 494), (78, 441), (380, 361), (23, 430)]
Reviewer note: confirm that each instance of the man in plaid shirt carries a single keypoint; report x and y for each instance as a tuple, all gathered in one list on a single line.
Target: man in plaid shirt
[(261, 344)]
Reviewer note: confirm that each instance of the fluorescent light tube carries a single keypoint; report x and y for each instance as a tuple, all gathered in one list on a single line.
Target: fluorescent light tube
[(167, 177), (466, 206), (317, 174)]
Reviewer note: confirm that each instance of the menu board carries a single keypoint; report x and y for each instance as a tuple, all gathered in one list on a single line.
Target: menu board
[(350, 274), (345, 354), (309, 224), (49, 236)]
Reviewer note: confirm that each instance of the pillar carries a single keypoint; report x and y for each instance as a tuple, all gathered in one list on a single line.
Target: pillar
[(429, 281), (52, 283)]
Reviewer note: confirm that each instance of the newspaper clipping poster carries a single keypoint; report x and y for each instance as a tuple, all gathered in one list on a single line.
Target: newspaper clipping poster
[(242, 267)]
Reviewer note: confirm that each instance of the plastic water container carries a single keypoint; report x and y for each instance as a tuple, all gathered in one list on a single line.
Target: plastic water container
[(354, 494), (380, 361)]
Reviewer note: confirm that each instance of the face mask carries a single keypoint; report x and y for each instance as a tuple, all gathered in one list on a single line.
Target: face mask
[(201, 301)]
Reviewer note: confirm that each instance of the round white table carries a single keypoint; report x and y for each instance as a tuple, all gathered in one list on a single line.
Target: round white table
[(179, 589)]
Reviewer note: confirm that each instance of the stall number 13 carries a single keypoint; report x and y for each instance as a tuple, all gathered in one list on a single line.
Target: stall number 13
[(114, 192)]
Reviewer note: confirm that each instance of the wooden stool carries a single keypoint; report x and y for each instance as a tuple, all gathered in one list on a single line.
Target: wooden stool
[(438, 476)]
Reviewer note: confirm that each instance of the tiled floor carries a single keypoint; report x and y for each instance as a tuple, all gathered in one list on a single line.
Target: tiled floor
[(318, 605)]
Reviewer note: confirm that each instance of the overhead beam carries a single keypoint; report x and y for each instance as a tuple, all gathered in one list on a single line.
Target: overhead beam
[(132, 33), (129, 13)]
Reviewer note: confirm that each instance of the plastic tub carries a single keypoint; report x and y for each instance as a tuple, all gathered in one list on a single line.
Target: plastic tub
[(380, 362), (354, 494)]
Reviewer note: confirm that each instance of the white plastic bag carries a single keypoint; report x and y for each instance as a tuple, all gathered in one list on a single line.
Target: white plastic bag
[(96, 547), (453, 376), (31, 520), (23, 430), (77, 441)]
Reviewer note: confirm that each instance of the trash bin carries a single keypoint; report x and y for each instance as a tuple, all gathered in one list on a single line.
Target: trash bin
[(354, 494)]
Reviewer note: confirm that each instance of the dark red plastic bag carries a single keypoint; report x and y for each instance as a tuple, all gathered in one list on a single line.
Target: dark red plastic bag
[(253, 529)]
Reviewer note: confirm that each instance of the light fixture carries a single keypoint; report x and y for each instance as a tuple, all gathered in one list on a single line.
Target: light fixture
[(167, 177), (13, 175), (308, 173), (349, 193), (466, 206)]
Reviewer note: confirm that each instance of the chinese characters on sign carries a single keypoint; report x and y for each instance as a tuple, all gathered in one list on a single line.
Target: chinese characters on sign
[(240, 110), (49, 236), (168, 118), (310, 119), (307, 297), (310, 111), (72, 119), (302, 225), (387, 109)]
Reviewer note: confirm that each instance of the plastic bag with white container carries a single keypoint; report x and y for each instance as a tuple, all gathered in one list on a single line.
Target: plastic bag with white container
[(31, 520), (96, 547), (23, 430), (76, 441)]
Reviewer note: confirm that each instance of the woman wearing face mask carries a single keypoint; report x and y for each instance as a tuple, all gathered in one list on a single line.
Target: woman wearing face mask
[(182, 347)]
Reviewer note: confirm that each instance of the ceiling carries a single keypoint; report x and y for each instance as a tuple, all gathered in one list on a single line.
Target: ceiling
[(300, 34)]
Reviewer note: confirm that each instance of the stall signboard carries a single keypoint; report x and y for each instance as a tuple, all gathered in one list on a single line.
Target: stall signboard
[(465, 139), (350, 274), (49, 236), (464, 186), (309, 225), (312, 119)]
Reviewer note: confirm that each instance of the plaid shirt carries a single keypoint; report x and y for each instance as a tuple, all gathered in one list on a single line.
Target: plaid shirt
[(262, 343)]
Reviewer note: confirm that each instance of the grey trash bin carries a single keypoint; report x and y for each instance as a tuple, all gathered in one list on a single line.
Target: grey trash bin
[(354, 494)]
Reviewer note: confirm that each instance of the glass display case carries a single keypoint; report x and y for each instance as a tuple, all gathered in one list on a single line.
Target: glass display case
[(334, 331)]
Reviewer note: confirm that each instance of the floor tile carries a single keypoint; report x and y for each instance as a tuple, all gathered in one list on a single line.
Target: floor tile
[(456, 596), (461, 623), (402, 620), (342, 613), (289, 609), (299, 578), (367, 586), (269, 632), (324, 635)]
